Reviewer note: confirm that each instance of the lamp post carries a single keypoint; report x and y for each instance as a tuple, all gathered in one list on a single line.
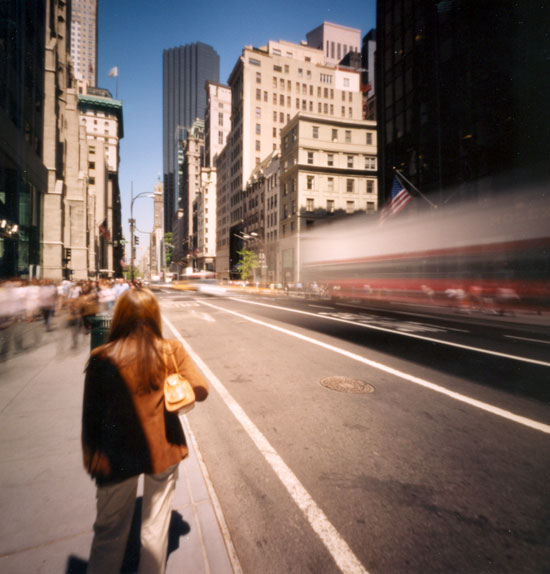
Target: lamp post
[(132, 222)]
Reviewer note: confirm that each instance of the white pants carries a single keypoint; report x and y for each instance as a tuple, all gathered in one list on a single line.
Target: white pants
[(115, 508)]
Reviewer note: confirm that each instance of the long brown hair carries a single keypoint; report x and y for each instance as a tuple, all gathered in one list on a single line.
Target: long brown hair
[(136, 335)]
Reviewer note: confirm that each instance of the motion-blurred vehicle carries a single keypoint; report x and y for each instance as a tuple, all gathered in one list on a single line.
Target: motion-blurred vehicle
[(490, 256)]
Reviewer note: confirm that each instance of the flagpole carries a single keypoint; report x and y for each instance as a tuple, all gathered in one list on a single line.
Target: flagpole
[(401, 176)]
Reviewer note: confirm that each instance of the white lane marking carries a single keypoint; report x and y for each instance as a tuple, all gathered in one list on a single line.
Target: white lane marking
[(320, 306), (411, 378), (527, 339), (403, 333), (335, 544), (204, 316)]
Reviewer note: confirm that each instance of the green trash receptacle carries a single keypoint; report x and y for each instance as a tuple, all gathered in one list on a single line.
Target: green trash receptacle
[(100, 325)]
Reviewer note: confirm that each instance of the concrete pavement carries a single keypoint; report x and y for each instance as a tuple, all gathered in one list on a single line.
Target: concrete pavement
[(47, 501)]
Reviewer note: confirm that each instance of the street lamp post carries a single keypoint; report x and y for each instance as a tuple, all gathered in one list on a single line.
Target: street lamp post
[(132, 222)]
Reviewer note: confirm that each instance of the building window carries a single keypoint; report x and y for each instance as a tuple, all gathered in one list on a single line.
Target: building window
[(310, 157), (91, 165), (258, 129), (258, 145), (346, 82), (349, 185), (220, 118), (282, 117), (91, 180), (350, 206), (315, 132), (350, 161), (370, 186), (265, 95), (370, 206), (369, 138), (274, 116), (330, 205), (330, 183), (330, 159), (254, 62), (370, 162), (309, 184), (334, 135), (300, 72), (348, 136), (258, 77), (258, 113), (275, 129), (220, 138), (258, 94), (309, 204)]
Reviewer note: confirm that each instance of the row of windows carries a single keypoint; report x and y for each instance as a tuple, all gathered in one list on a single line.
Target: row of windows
[(301, 88), (335, 135), (313, 183), (336, 50), (350, 205), (350, 184), (370, 161)]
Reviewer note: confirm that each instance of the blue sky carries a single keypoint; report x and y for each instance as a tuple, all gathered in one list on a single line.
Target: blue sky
[(133, 34)]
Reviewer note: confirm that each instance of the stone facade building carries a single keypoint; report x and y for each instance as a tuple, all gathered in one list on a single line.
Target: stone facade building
[(328, 166)]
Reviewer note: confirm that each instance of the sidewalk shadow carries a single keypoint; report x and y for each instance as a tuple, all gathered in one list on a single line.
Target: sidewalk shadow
[(178, 528)]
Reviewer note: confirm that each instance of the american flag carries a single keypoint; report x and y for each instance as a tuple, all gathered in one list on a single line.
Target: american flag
[(399, 198)]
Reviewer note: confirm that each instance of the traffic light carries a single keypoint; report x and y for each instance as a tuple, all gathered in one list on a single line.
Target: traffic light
[(136, 240)]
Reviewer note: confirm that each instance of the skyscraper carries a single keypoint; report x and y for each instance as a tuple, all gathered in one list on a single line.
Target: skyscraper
[(186, 69), (461, 93), (84, 40)]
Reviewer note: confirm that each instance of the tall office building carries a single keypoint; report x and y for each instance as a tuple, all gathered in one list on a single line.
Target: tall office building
[(84, 40), (186, 69), (23, 175), (462, 90)]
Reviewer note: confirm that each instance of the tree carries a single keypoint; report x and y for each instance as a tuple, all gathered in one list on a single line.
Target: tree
[(168, 248), (247, 263)]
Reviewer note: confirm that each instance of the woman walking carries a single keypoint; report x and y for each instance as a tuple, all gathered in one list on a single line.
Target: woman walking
[(126, 432)]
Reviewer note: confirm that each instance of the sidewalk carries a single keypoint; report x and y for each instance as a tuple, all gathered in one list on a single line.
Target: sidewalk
[(47, 501)]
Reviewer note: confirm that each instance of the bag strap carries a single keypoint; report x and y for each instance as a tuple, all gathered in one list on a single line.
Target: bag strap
[(173, 355)]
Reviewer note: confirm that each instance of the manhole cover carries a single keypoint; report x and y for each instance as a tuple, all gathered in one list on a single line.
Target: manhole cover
[(346, 385)]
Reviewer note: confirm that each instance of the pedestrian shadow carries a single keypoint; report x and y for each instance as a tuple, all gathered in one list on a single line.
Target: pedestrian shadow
[(178, 528)]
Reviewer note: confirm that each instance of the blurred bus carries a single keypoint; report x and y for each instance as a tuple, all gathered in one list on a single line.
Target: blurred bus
[(492, 256)]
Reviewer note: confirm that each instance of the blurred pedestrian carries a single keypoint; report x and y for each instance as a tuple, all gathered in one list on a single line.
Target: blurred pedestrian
[(126, 432)]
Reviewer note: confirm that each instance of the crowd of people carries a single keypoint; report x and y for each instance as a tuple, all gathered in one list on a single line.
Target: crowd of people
[(30, 307)]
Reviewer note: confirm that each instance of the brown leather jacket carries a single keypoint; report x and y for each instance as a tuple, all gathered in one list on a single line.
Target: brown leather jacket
[(125, 429)]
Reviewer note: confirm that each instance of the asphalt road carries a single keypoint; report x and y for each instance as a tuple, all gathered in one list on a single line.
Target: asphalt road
[(430, 453)]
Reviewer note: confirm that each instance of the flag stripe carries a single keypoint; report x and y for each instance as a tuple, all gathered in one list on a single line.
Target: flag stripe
[(399, 199)]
